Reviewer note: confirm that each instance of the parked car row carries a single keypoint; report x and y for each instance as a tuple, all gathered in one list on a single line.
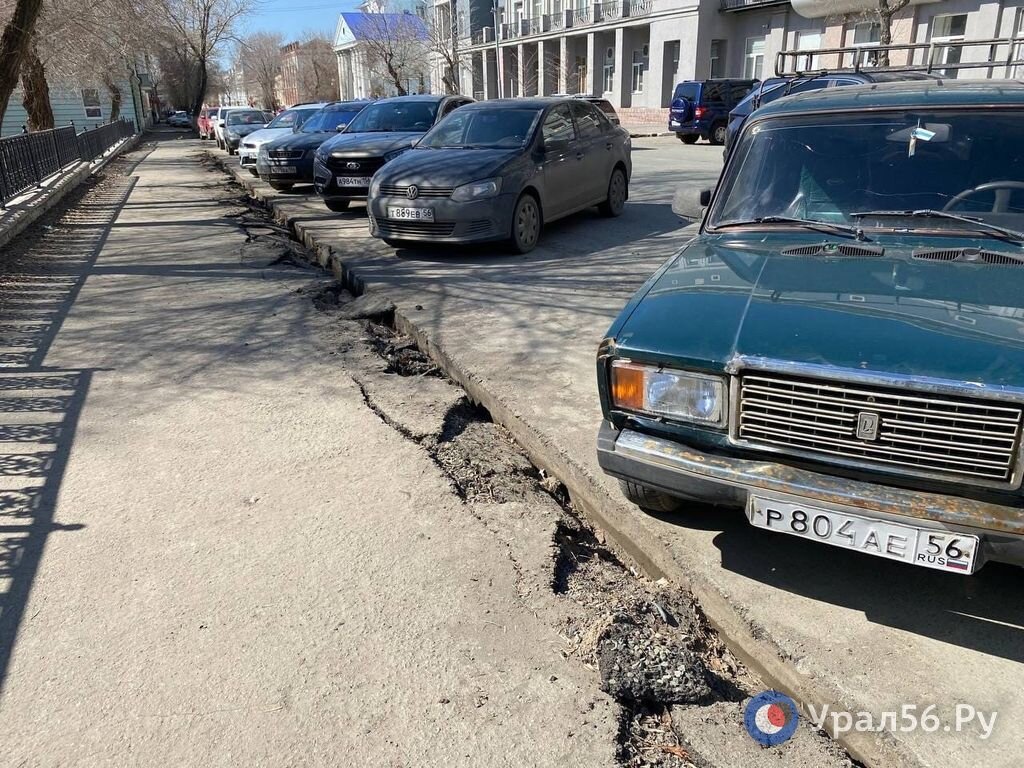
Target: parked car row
[(446, 169)]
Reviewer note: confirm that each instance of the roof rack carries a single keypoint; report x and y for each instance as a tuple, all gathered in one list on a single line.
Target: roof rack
[(1004, 53)]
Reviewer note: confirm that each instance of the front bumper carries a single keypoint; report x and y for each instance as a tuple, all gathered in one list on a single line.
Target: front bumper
[(247, 156), (473, 222), (689, 473), (271, 171)]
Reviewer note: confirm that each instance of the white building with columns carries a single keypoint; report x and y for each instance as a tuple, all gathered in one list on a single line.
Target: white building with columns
[(633, 52)]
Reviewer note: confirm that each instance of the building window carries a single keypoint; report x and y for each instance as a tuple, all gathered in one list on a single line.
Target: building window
[(950, 28), (808, 41), (538, 9), (866, 35), (641, 61), (609, 69), (717, 68), (753, 61), (91, 102), (581, 75)]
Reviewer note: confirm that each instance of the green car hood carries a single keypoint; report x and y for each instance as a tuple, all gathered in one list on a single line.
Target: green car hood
[(719, 300)]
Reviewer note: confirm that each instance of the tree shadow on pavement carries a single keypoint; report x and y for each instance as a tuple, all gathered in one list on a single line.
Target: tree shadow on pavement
[(40, 279)]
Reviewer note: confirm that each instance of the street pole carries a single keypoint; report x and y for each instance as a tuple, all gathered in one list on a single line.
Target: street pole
[(498, 69)]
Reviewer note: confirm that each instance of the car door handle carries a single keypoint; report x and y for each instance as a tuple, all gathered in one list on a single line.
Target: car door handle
[(580, 155), (609, 145)]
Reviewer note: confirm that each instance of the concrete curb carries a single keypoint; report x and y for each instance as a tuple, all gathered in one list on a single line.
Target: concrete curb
[(748, 641), (57, 192)]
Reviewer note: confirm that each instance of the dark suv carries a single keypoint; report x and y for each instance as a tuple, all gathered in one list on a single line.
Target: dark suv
[(700, 108), (344, 165)]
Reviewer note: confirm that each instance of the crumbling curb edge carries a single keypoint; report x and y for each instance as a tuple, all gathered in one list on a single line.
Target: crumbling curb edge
[(625, 533), (59, 190)]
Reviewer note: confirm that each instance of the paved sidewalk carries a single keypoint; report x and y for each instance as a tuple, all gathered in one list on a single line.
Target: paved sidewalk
[(875, 634), (211, 551)]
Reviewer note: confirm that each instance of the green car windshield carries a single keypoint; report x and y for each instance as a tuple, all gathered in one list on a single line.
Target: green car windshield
[(938, 170)]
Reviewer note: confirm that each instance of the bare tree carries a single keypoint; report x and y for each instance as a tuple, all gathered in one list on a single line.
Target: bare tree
[(443, 32), (318, 68), (35, 90), (394, 47), (17, 33), (259, 56), (203, 26)]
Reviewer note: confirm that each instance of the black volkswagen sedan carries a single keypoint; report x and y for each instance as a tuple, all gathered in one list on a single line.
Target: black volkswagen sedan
[(498, 170), (380, 133), (289, 160)]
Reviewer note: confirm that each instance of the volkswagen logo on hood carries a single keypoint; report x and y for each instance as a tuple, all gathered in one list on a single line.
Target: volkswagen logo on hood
[(412, 192)]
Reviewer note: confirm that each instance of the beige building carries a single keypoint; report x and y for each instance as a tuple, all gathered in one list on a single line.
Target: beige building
[(634, 51)]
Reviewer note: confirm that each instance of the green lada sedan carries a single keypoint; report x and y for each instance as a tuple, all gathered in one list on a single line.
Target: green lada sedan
[(840, 348)]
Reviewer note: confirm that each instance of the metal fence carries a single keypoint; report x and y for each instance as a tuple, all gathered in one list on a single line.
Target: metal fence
[(28, 159)]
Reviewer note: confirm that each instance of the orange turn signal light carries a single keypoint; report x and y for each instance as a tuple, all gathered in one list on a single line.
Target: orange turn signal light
[(628, 386)]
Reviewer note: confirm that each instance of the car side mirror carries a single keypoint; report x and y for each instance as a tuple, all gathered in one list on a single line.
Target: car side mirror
[(341, 127), (556, 145), (690, 204)]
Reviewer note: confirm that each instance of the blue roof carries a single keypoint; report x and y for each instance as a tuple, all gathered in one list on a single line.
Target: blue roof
[(367, 26)]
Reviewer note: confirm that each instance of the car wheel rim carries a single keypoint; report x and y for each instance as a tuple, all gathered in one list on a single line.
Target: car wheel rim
[(720, 135), (526, 223), (617, 193)]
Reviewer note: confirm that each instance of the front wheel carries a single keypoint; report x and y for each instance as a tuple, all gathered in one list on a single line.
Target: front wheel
[(232, 151), (688, 138), (719, 134), (649, 499), (338, 206), (615, 203), (254, 172), (281, 186), (525, 224)]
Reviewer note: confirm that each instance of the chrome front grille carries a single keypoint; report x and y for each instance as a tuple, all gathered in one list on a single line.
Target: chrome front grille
[(914, 433), (286, 154), (394, 190)]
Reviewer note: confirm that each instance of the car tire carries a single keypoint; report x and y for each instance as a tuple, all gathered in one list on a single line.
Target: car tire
[(618, 191), (232, 151), (338, 206), (688, 138), (526, 223), (649, 499), (281, 186), (254, 173), (718, 134)]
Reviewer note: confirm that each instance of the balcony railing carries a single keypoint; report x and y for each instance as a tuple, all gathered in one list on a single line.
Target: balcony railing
[(533, 26), (640, 7), (609, 11), (555, 21), (580, 16), (731, 6)]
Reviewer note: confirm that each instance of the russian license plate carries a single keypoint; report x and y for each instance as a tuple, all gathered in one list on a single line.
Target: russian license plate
[(352, 181), (411, 214), (943, 550), (282, 169)]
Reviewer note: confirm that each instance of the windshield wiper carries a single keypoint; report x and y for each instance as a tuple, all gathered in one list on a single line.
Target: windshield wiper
[(993, 230), (825, 226)]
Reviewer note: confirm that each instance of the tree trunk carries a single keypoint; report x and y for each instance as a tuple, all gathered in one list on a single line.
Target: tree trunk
[(13, 43), (396, 79), (36, 98), (200, 95), (115, 97), (885, 15)]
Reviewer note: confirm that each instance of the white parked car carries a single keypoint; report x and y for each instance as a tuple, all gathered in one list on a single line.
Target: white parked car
[(287, 122)]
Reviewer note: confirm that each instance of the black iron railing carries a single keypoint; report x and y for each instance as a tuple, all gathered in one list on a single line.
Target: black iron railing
[(28, 159)]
